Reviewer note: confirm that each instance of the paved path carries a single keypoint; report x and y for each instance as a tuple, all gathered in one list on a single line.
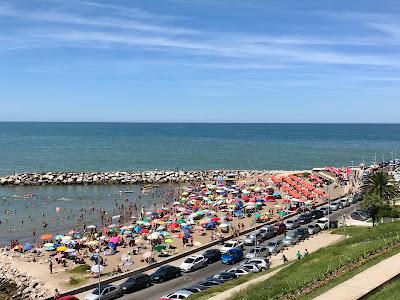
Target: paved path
[(365, 281)]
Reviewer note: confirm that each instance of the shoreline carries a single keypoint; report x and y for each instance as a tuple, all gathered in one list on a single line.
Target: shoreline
[(129, 177)]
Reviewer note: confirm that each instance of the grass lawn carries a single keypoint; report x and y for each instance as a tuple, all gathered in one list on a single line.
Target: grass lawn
[(388, 292), (322, 263)]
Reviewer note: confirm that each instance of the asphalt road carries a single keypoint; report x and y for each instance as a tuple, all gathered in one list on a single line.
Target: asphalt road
[(158, 290)]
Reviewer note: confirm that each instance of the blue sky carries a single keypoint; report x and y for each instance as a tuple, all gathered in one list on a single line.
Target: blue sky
[(200, 61)]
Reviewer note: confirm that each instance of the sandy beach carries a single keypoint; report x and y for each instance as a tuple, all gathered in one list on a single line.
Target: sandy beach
[(174, 228)]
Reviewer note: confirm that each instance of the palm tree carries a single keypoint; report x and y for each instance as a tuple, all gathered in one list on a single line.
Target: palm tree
[(383, 185)]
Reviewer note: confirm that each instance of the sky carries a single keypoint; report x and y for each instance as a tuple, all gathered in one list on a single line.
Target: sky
[(200, 61)]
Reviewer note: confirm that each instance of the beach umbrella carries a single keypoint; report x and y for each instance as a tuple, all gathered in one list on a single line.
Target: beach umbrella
[(173, 226), (160, 247), (144, 231), (66, 239), (58, 237), (70, 250), (138, 241), (224, 225), (61, 249), (46, 237), (153, 236), (91, 227), (169, 241), (97, 268), (137, 229), (18, 248), (112, 245), (115, 240), (50, 248), (112, 226), (48, 245), (147, 254), (91, 243), (197, 244), (28, 246)]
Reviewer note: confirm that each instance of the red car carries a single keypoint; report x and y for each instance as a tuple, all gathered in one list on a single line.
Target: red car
[(67, 298)]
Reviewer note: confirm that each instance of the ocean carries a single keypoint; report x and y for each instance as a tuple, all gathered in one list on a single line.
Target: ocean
[(148, 146), (140, 146)]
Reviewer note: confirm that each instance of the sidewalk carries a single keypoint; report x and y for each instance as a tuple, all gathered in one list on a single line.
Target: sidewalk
[(365, 281)]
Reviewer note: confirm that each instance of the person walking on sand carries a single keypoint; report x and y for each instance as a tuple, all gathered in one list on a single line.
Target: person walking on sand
[(285, 260), (305, 253), (298, 254), (51, 266), (56, 294)]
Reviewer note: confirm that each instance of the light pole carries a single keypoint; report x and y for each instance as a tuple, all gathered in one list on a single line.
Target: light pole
[(344, 224)]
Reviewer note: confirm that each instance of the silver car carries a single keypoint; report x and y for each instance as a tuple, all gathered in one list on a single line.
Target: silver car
[(292, 224), (290, 239), (107, 292), (275, 246), (313, 229), (345, 202), (335, 205), (250, 239), (257, 252)]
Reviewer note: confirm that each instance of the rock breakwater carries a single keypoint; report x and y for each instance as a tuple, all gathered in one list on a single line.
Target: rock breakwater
[(17, 285), (120, 177)]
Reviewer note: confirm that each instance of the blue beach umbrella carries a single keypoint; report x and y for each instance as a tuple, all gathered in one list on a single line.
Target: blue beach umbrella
[(28, 246), (137, 229)]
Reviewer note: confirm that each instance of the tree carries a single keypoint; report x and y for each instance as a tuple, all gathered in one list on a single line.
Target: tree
[(382, 185), (374, 204)]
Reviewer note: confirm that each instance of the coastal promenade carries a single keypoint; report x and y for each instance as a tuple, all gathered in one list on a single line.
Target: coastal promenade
[(363, 283)]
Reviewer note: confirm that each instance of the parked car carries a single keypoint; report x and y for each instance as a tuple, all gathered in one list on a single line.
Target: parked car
[(238, 271), (302, 232), (193, 262), (275, 246), (257, 251), (136, 283), (251, 268), (212, 255), (268, 232), (224, 276), (345, 202), (326, 210), (211, 282), (166, 272), (290, 239), (292, 224), (305, 218), (359, 215), (351, 199), (181, 294), (316, 214), (335, 205), (195, 288), (68, 297), (279, 228), (262, 263), (233, 256), (231, 245), (323, 223), (106, 292), (250, 239), (313, 229)]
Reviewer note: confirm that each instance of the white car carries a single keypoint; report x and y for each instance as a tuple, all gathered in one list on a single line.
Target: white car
[(345, 202), (107, 292), (252, 268), (257, 251), (262, 263), (335, 205), (238, 271), (181, 294), (193, 262), (323, 223), (230, 245)]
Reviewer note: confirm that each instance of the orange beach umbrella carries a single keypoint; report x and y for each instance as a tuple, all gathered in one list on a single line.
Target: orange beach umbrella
[(47, 236)]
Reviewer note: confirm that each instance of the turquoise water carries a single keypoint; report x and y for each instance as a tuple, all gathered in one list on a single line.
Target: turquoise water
[(142, 146), (107, 146)]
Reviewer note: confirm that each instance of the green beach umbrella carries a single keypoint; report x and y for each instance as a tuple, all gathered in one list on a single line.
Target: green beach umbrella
[(258, 215), (160, 247), (169, 241), (282, 213), (181, 221)]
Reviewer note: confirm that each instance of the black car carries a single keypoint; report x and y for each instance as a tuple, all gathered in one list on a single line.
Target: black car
[(195, 288), (165, 273), (305, 218), (136, 283), (317, 214), (224, 276), (302, 232), (211, 282), (212, 255)]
